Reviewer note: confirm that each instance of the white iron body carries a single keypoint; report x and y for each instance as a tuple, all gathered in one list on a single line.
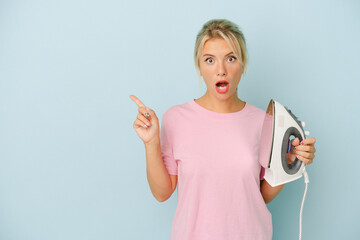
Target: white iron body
[(279, 125)]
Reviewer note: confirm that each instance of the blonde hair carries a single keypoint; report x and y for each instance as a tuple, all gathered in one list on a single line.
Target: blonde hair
[(230, 32)]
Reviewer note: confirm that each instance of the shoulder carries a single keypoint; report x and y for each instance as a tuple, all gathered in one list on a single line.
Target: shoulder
[(256, 118), (176, 111), (254, 110), (173, 118)]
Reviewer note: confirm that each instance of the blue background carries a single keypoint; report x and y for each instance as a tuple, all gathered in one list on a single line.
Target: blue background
[(71, 164)]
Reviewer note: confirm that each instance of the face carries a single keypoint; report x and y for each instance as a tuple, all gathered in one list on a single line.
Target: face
[(218, 62)]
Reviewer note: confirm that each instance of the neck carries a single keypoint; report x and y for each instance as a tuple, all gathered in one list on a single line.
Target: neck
[(228, 105)]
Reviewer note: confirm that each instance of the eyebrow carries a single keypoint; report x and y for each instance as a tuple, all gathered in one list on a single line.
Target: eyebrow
[(208, 54)]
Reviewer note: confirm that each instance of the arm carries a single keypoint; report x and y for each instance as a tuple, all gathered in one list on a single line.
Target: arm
[(159, 179), (268, 192)]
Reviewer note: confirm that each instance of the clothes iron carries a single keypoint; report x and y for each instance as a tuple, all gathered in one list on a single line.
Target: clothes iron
[(279, 125)]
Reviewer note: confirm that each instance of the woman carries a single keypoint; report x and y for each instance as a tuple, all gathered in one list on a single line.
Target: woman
[(210, 147)]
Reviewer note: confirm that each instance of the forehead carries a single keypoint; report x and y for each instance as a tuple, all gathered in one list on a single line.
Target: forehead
[(216, 46)]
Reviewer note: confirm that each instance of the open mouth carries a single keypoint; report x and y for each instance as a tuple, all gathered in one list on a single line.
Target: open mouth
[(222, 84)]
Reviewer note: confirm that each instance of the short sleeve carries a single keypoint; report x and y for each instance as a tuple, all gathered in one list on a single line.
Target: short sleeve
[(265, 142), (167, 146), (262, 173)]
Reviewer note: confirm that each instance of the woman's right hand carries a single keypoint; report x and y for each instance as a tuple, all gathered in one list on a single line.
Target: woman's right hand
[(145, 132)]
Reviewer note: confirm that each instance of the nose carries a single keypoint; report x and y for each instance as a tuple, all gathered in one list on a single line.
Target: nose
[(221, 69)]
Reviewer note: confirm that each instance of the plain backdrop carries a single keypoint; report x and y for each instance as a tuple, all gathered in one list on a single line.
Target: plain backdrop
[(71, 164)]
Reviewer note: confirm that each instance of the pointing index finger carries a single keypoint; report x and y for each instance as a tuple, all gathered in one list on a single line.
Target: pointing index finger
[(137, 101)]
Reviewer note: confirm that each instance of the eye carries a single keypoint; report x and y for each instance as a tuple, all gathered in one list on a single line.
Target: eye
[(206, 60), (233, 58)]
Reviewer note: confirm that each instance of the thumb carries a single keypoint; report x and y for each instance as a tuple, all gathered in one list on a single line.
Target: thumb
[(148, 110), (151, 113), (295, 142)]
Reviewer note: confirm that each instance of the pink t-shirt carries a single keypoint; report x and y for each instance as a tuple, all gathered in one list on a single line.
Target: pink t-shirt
[(215, 156)]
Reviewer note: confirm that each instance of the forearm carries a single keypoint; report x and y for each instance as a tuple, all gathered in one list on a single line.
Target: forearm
[(157, 175), (268, 192)]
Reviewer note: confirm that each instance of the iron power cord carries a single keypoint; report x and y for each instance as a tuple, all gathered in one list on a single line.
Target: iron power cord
[(306, 178)]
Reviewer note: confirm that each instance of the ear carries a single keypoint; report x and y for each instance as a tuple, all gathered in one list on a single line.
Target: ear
[(200, 71), (242, 69)]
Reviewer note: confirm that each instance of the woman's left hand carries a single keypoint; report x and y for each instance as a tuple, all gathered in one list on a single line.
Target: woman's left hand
[(304, 151)]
